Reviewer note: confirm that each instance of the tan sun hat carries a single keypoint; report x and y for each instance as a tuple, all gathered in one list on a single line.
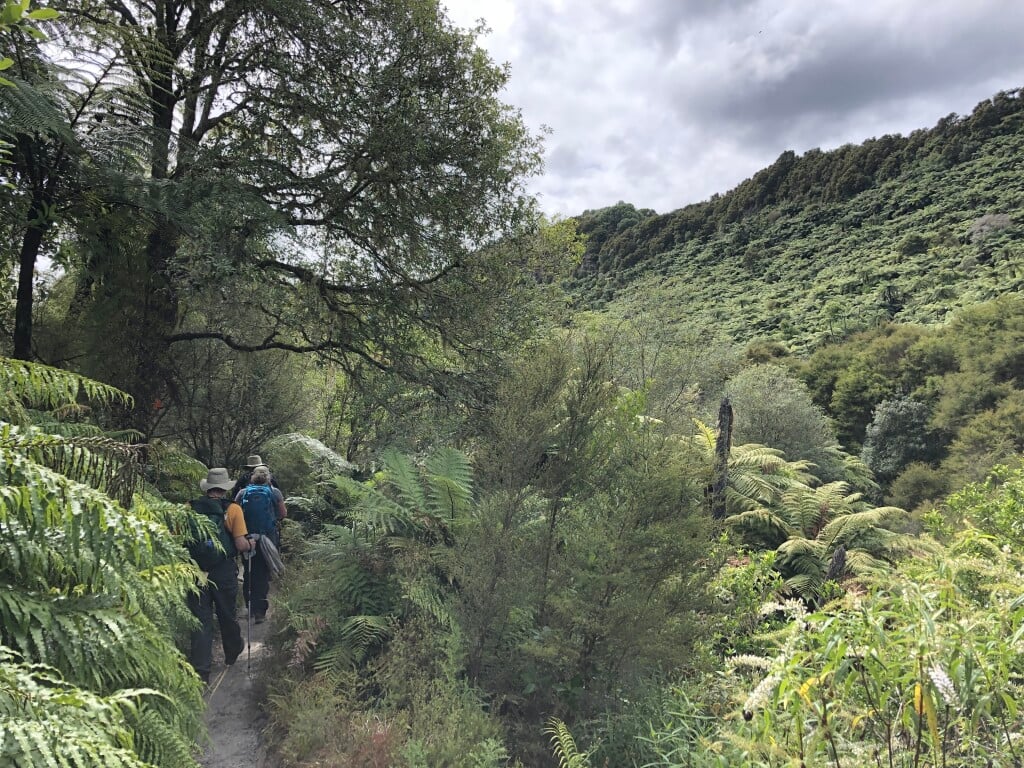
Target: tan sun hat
[(253, 461), (217, 478)]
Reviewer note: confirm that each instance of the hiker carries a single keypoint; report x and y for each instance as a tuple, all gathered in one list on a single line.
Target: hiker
[(250, 464), (263, 507), (220, 592)]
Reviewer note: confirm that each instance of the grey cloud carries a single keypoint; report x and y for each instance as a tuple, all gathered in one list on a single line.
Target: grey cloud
[(663, 102), (857, 69), (569, 161), (665, 21)]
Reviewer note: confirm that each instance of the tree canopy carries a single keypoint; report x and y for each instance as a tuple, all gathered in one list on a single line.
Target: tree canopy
[(340, 168)]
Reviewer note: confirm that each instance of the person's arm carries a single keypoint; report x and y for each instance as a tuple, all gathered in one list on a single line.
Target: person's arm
[(282, 510)]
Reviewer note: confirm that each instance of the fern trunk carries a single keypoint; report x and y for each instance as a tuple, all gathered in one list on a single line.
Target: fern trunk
[(721, 472), (30, 247)]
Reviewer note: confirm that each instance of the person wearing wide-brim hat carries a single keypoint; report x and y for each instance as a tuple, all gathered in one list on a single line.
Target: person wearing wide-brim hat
[(219, 595), (244, 479)]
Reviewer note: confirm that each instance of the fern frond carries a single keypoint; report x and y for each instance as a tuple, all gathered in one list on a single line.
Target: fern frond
[(337, 657), (429, 601), (361, 634), (805, 585), (706, 434), (801, 557), (852, 530), (25, 384), (449, 483), (101, 462), (811, 509), (32, 108), (862, 563), (402, 476), (382, 516), (50, 722), (563, 746), (762, 526)]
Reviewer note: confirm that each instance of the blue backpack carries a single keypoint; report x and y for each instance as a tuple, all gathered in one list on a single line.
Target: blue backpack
[(260, 509)]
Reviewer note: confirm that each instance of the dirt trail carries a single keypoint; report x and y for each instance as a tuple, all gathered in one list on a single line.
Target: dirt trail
[(233, 718)]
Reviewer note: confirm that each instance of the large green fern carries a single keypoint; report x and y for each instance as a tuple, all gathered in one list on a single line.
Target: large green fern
[(808, 526), (92, 591), (393, 560)]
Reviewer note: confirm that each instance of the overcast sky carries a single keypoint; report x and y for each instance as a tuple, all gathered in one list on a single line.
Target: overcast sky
[(661, 103)]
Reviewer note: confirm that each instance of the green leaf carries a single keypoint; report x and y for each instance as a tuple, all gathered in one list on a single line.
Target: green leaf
[(6, 63), (43, 14)]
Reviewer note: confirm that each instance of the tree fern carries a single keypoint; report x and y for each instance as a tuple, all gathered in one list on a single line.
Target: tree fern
[(394, 561), (806, 526), (93, 588)]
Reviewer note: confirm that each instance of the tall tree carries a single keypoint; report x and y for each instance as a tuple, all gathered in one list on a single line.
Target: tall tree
[(341, 166)]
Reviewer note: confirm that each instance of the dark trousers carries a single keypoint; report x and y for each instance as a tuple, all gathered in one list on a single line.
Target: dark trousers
[(218, 596), (256, 584)]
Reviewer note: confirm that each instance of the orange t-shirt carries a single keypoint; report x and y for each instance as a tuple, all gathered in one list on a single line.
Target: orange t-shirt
[(234, 521)]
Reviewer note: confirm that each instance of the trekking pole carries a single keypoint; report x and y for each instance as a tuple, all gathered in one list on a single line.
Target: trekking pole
[(247, 556)]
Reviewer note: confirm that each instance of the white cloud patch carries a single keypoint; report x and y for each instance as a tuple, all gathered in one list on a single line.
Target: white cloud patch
[(663, 102)]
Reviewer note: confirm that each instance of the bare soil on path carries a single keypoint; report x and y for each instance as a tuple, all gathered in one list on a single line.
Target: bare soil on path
[(233, 717)]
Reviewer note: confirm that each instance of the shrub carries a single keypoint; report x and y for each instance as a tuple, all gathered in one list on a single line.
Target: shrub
[(916, 484)]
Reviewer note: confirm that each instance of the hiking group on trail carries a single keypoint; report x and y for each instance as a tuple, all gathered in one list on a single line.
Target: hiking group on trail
[(245, 516)]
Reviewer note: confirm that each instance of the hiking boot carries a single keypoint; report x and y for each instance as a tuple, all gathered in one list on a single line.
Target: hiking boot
[(230, 659)]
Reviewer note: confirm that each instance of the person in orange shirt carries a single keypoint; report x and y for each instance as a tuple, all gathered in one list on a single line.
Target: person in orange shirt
[(217, 559)]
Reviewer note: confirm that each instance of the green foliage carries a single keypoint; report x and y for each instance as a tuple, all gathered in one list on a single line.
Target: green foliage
[(821, 533), (564, 746), (49, 722), (919, 670), (993, 506), (95, 590), (231, 181), (774, 408), (29, 385), (883, 227), (897, 435), (229, 404), (916, 484), (947, 395)]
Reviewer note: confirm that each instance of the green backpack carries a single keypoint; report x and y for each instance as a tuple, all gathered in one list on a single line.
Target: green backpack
[(203, 550)]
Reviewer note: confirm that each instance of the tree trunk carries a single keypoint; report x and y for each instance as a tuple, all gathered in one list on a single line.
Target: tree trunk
[(30, 246), (721, 471)]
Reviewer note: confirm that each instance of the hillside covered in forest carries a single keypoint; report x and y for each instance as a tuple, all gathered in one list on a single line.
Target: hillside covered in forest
[(817, 245)]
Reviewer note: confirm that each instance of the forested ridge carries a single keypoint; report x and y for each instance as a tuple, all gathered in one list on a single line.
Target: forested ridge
[(739, 485), (898, 227)]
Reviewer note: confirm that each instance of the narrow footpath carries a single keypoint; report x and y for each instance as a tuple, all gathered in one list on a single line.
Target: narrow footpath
[(233, 717)]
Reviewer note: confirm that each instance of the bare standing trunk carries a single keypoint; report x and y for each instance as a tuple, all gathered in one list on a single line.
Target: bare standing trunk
[(721, 470)]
